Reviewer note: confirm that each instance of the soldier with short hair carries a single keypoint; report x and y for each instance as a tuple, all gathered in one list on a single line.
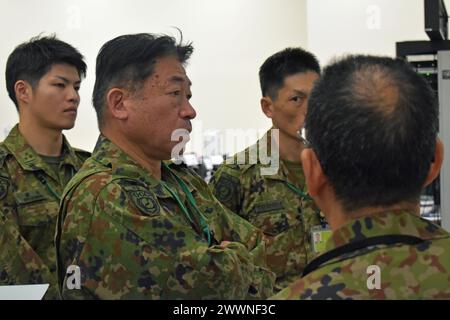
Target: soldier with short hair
[(136, 225), (273, 196), (43, 77), (371, 147)]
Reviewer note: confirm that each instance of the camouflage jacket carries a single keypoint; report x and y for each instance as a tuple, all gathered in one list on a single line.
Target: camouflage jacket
[(19, 264), (420, 271), (130, 239), (267, 202), (30, 192)]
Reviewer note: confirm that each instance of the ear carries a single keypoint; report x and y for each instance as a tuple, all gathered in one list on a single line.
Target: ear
[(23, 91), (267, 106), (437, 162), (115, 101), (314, 177)]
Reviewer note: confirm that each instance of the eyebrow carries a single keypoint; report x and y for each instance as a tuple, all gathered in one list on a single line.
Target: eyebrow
[(67, 80), (300, 93), (180, 79)]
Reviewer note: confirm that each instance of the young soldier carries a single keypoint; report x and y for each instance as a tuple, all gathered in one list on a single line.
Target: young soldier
[(43, 77), (277, 202)]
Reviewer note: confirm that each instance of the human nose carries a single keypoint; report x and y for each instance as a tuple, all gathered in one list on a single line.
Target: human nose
[(188, 110), (73, 95)]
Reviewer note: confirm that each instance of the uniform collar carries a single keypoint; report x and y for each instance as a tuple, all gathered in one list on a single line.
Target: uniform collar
[(110, 155), (183, 173), (69, 155), (283, 171), (29, 160), (385, 223)]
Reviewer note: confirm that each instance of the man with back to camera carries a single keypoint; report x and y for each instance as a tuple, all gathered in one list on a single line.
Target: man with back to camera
[(137, 226), (371, 131), (43, 77), (277, 202)]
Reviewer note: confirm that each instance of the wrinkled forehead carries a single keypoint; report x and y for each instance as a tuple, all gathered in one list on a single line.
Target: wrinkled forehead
[(164, 80), (169, 69)]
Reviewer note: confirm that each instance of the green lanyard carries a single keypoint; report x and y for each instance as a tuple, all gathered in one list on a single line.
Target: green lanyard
[(298, 191), (191, 199), (42, 179)]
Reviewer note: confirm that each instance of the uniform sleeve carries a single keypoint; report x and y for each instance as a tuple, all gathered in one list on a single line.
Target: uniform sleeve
[(226, 187), (235, 228), (19, 264), (128, 246)]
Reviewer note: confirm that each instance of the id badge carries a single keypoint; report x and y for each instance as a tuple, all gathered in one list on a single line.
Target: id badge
[(319, 238)]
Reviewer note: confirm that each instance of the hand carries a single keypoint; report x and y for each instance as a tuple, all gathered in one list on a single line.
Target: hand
[(224, 244)]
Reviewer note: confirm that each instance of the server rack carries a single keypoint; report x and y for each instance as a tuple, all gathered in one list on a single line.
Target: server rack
[(431, 59)]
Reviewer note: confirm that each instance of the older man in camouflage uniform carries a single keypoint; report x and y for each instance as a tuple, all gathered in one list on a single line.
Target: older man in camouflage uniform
[(371, 128), (132, 226), (36, 161), (272, 196)]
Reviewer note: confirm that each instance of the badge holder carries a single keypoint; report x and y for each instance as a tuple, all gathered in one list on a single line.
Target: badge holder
[(319, 238)]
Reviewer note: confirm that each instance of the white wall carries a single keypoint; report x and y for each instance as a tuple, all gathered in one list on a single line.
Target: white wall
[(231, 38), (336, 27)]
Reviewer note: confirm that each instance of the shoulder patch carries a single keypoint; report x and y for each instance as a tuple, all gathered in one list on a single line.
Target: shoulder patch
[(4, 186), (142, 198), (225, 187)]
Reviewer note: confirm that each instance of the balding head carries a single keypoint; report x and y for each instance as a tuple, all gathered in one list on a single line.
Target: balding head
[(372, 123), (374, 87)]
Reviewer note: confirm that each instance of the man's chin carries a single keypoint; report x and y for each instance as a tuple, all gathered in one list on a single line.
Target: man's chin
[(66, 126)]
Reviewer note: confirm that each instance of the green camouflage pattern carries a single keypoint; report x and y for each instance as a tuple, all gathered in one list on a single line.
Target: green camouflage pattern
[(131, 240), (419, 271), (19, 263), (266, 201), (30, 191)]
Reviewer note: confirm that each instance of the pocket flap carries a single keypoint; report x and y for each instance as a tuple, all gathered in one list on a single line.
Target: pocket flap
[(29, 196)]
